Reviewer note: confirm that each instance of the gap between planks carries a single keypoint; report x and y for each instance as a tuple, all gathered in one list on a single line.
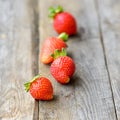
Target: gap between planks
[(104, 53), (35, 49)]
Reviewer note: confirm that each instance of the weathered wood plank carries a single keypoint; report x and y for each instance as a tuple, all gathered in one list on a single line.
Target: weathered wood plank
[(109, 12), (88, 96), (17, 62)]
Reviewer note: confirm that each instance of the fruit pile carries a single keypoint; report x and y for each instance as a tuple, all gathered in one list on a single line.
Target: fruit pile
[(54, 51)]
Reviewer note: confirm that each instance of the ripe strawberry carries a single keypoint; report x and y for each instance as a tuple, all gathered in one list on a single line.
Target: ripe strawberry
[(63, 21), (50, 45), (63, 67), (40, 88)]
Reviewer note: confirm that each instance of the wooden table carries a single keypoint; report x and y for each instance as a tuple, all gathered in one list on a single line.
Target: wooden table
[(94, 91)]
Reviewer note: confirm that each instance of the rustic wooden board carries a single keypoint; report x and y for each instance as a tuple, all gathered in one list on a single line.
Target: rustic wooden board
[(17, 59), (109, 13), (93, 93), (88, 96)]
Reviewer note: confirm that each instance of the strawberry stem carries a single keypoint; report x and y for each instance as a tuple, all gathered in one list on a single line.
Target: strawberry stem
[(27, 84), (54, 11), (63, 36), (58, 53), (35, 77), (59, 9)]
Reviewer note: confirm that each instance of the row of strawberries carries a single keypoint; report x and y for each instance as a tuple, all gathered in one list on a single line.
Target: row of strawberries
[(54, 51)]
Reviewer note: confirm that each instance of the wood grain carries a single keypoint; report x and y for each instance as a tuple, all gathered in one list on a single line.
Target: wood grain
[(109, 13), (93, 93), (17, 59), (88, 96)]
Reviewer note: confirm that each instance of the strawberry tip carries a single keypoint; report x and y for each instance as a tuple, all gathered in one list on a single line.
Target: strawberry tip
[(51, 97), (68, 80)]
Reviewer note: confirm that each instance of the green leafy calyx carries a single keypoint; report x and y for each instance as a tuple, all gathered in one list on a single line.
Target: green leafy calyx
[(63, 36), (27, 84), (58, 53), (53, 11)]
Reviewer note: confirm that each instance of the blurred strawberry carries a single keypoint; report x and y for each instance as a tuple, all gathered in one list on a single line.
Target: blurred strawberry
[(63, 21), (50, 45)]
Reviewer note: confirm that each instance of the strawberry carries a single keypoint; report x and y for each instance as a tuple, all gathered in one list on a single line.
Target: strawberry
[(63, 67), (63, 21), (50, 45), (40, 88)]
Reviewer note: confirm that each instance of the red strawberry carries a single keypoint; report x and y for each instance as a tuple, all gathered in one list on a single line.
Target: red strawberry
[(40, 88), (63, 67), (63, 21), (50, 45)]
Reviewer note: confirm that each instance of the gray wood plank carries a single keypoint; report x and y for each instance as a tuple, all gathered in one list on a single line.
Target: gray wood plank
[(88, 96), (17, 59), (109, 13)]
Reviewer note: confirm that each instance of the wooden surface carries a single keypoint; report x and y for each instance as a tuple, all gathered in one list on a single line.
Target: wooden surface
[(93, 93)]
